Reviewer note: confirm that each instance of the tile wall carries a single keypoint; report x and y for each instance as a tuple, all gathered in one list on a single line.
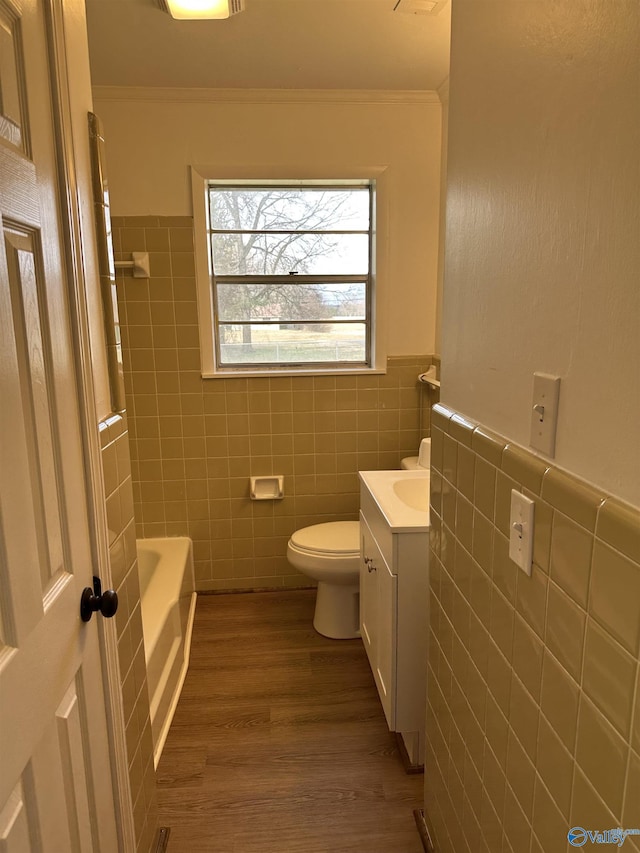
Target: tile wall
[(116, 467), (194, 442), (533, 722)]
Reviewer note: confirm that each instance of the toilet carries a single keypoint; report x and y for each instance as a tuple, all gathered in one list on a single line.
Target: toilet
[(422, 460), (330, 554)]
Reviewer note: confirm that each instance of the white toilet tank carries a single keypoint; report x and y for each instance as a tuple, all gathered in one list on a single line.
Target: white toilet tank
[(422, 460)]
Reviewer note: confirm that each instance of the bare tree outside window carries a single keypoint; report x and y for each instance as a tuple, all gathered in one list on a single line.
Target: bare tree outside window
[(290, 273)]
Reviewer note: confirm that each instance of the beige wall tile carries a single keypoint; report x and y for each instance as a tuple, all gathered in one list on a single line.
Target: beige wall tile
[(602, 755), (532, 659), (464, 521), (499, 677), (521, 774), (461, 429), (619, 526), (536, 847), (491, 824), (117, 478), (162, 289), (479, 645), (504, 487), (555, 766), (549, 824), (435, 492), (527, 657), (114, 515), (480, 594), (156, 239), (465, 478), (524, 716), (572, 497), (110, 467), (516, 826), (472, 783), (565, 630), (504, 570), (484, 487), (482, 541), (531, 599), (494, 780), (162, 313), (437, 448), (615, 596), (497, 731), (132, 239), (571, 551), (521, 466), (609, 677), (631, 814), (450, 459), (181, 238), (488, 445), (501, 625), (588, 809), (440, 416), (448, 504), (476, 693), (118, 561), (635, 726)]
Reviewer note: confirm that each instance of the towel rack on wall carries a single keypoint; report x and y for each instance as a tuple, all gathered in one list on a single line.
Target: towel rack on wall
[(429, 378), (139, 263)]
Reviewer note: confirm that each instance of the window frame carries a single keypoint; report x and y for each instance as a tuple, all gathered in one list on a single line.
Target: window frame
[(264, 176)]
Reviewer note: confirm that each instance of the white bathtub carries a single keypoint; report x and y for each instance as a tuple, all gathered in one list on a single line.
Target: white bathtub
[(167, 600)]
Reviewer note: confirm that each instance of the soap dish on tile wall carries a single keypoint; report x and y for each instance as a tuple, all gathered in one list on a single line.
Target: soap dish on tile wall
[(267, 488)]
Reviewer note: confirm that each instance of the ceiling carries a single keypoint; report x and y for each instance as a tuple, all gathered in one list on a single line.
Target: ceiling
[(272, 44)]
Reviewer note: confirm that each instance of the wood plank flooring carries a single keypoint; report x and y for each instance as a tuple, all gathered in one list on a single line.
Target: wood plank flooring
[(279, 743)]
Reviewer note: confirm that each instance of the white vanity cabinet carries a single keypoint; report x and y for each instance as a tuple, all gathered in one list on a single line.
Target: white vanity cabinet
[(394, 576), (378, 614)]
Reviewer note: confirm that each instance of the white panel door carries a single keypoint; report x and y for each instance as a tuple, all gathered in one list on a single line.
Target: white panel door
[(56, 790)]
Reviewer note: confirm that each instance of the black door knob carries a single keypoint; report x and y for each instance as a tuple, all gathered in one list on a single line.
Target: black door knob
[(94, 599)]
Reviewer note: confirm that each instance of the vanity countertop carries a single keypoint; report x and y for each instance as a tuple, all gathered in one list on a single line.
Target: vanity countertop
[(401, 496)]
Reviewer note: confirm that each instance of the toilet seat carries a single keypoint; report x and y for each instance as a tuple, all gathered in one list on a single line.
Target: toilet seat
[(334, 538), (329, 553)]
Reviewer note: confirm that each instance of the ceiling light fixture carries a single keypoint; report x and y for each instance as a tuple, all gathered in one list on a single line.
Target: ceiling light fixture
[(198, 10)]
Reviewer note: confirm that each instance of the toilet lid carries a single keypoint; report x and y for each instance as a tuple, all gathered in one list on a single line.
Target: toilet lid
[(338, 537)]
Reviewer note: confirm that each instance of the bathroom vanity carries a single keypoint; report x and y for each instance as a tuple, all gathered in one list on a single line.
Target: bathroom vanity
[(394, 596)]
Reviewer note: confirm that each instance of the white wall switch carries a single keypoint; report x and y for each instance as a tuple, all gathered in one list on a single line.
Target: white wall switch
[(544, 413), (521, 531)]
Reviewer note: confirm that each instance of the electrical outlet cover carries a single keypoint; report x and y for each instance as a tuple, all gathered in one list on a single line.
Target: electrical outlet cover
[(521, 531), (544, 413)]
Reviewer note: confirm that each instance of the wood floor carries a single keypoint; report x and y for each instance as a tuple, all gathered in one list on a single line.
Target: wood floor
[(279, 743)]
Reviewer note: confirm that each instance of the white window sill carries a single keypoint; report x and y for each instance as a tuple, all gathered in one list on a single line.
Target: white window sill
[(250, 374)]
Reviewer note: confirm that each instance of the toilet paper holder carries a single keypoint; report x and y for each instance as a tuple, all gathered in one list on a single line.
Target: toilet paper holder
[(266, 488)]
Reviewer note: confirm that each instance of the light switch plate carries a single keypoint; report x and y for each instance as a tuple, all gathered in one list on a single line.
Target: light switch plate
[(521, 531), (544, 413)]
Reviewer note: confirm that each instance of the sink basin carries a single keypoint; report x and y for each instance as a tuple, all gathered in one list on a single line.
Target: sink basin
[(414, 493), (401, 496)]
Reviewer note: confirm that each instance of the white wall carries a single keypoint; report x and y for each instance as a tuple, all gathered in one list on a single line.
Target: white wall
[(542, 264), (443, 93), (154, 135)]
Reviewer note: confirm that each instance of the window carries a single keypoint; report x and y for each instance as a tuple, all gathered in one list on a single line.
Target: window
[(290, 275)]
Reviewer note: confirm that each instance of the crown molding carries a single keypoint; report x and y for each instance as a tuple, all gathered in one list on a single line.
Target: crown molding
[(263, 96)]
